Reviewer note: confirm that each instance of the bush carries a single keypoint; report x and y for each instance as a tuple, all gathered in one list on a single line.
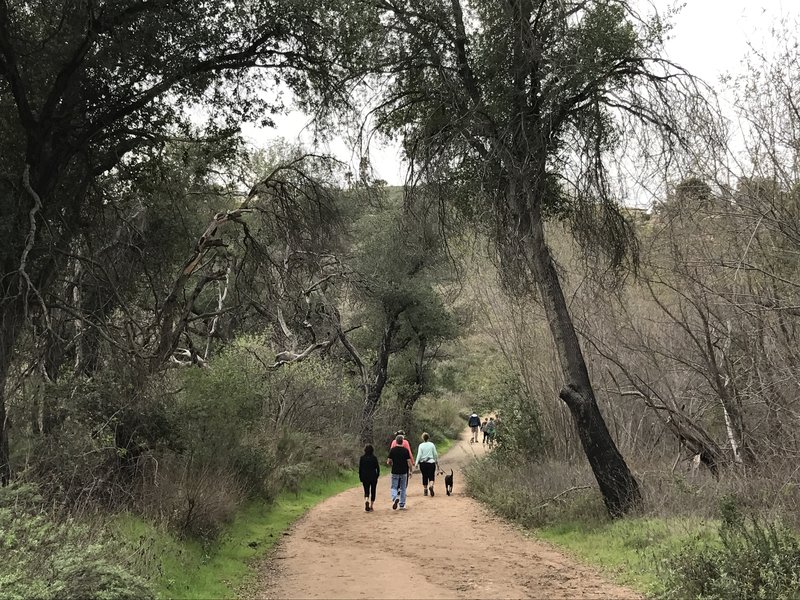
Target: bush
[(440, 416), (519, 432), (194, 498), (753, 559), (48, 558), (97, 431)]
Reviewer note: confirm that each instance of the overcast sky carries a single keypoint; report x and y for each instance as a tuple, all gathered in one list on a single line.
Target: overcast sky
[(709, 37)]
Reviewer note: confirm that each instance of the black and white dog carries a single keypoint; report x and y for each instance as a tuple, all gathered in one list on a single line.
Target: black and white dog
[(448, 483)]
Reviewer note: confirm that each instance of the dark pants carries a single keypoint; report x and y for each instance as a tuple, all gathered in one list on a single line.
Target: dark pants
[(428, 471), (485, 437), (369, 489)]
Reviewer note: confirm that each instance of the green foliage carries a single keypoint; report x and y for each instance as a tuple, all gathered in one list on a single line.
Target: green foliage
[(47, 558), (440, 416), (95, 432), (753, 559), (243, 416), (519, 433), (243, 430)]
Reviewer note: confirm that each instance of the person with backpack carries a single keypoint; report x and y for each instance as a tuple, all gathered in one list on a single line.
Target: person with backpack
[(368, 472), (402, 465), (490, 431), (474, 423)]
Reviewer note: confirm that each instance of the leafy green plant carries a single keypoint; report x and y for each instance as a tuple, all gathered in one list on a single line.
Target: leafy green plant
[(519, 432), (48, 558), (753, 559)]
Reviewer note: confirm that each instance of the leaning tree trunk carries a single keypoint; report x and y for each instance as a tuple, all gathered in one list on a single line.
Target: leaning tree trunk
[(618, 486)]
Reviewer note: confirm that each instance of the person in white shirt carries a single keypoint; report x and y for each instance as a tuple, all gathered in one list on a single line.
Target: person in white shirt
[(427, 459)]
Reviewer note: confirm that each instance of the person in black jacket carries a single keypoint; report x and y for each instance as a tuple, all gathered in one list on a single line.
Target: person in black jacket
[(368, 472), (474, 423)]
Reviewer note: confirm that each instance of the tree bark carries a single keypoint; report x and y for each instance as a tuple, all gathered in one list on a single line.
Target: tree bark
[(367, 434), (11, 317), (419, 384), (379, 375), (619, 488)]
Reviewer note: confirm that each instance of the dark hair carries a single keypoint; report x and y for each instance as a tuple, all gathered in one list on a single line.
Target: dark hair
[(368, 449)]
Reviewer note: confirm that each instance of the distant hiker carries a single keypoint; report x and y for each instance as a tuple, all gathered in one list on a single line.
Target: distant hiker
[(405, 444), (483, 429), (490, 431), (401, 463), (474, 423), (427, 458), (368, 472)]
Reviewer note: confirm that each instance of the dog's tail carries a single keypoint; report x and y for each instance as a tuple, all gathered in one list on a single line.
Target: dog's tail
[(451, 472)]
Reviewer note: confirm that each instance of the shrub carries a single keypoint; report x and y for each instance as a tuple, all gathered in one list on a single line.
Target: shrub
[(519, 431), (48, 558), (195, 498), (535, 493), (97, 431), (440, 416), (753, 559)]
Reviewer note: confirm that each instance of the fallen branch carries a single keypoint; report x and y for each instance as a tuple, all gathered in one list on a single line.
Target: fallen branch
[(557, 496)]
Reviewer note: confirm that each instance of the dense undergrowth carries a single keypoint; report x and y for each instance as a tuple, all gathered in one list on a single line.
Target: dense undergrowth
[(49, 555)]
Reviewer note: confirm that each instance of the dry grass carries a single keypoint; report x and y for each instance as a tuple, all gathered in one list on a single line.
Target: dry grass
[(549, 491)]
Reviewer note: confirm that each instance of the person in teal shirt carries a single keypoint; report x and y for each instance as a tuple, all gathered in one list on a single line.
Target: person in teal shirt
[(427, 460)]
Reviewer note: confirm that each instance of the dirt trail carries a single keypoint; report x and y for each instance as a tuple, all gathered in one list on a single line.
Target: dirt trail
[(441, 547)]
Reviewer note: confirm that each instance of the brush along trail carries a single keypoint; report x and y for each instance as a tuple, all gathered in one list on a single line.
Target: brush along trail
[(441, 547)]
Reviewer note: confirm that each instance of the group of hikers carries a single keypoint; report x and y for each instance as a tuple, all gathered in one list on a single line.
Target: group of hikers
[(488, 428), (402, 462)]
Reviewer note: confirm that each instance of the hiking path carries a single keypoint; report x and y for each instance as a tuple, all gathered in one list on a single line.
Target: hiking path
[(440, 547)]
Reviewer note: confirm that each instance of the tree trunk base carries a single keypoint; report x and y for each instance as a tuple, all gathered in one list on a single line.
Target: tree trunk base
[(620, 490)]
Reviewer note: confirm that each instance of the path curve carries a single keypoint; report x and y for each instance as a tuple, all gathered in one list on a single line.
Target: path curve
[(441, 547)]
